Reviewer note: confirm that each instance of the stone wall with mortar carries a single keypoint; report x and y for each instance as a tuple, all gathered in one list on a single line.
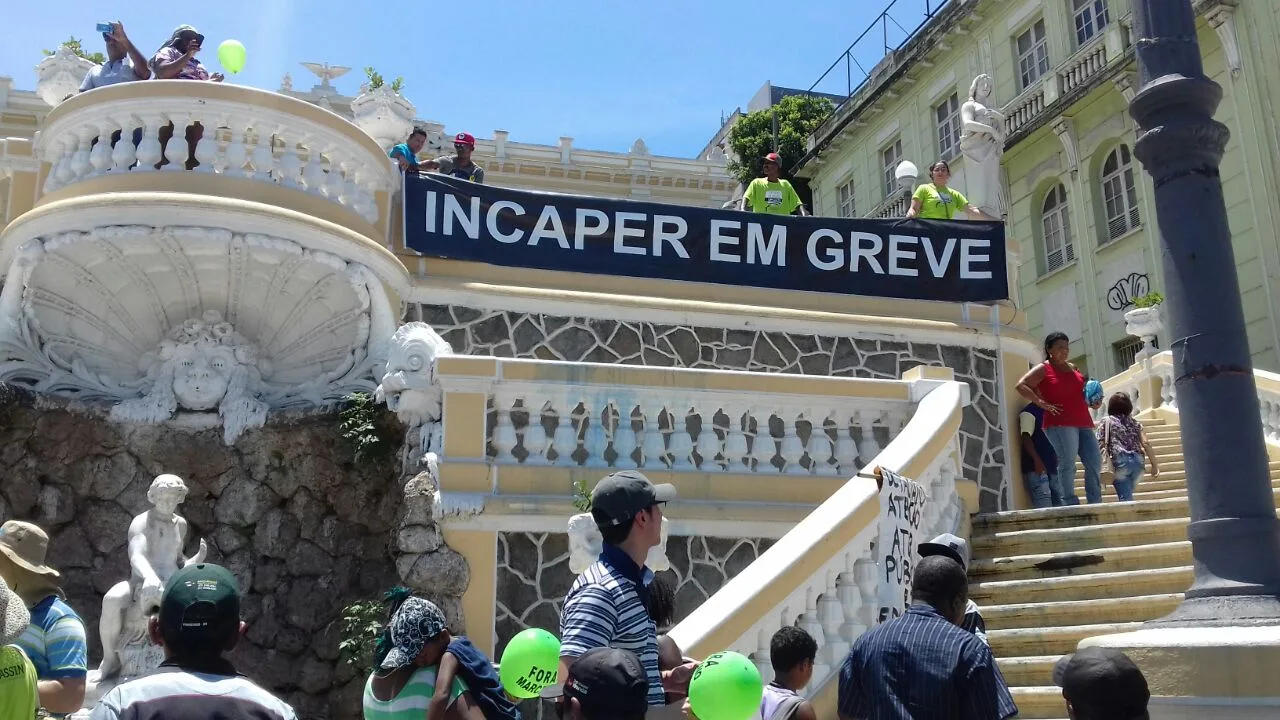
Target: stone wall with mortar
[(502, 333), (305, 531)]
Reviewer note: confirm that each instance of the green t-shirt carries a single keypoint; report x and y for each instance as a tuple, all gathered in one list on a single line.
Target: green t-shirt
[(777, 198), (938, 204), (18, 695), (411, 703)]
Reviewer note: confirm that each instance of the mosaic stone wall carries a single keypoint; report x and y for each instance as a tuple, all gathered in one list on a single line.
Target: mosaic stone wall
[(577, 339), (534, 576)]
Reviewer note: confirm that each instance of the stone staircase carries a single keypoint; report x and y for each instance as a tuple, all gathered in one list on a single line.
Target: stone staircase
[(1046, 579)]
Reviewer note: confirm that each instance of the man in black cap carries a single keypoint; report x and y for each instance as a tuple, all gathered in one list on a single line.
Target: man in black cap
[(948, 545), (605, 684), (606, 607), (199, 621), (1102, 684)]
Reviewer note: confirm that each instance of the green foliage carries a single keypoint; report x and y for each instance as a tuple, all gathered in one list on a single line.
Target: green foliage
[(751, 137), (361, 623), (1151, 299), (362, 430), (376, 81), (581, 496), (73, 44)]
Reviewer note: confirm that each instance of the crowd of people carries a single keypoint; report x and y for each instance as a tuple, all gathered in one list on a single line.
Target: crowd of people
[(1057, 426)]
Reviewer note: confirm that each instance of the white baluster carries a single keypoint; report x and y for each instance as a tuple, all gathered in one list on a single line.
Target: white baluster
[(66, 174), (896, 420), (290, 164), (313, 174), (565, 439), (237, 153), (263, 159), (125, 153), (80, 158), (333, 182), (149, 149), (653, 448), (535, 437), (735, 441), (811, 623), (56, 156), (176, 150), (351, 195), (595, 441), (791, 449), (851, 605), (760, 658), (208, 156), (831, 615), (709, 442), (624, 439), (868, 447), (864, 572), (504, 433), (763, 447), (819, 446), (100, 155), (846, 451), (681, 442)]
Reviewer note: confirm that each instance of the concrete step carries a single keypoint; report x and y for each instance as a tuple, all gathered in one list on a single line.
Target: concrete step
[(1039, 702), (1060, 640), (1176, 469), (1102, 611), (1086, 538), (1032, 670), (1091, 586), (1069, 563), (1078, 515)]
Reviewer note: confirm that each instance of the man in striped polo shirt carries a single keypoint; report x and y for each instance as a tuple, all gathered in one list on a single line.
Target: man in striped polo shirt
[(606, 607), (199, 621)]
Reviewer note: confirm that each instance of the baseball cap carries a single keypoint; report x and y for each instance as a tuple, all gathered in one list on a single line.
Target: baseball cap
[(773, 158), (414, 623), (1102, 682), (200, 606), (608, 683), (947, 545), (463, 138), (618, 497)]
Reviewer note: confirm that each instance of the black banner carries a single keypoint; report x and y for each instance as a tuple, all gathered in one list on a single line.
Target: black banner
[(920, 259)]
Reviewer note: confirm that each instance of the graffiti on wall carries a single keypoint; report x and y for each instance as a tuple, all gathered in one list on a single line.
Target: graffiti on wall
[(1127, 289)]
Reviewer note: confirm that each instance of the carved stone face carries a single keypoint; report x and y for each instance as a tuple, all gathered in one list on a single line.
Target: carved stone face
[(408, 387), (983, 88), (167, 500), (202, 375)]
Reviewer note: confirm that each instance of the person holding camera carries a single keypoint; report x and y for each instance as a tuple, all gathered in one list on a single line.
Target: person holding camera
[(124, 62), (176, 59)]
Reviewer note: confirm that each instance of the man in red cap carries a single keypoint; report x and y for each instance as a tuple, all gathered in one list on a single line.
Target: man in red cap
[(771, 194), (460, 164)]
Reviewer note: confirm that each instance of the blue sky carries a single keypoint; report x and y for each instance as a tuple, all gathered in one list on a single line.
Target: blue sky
[(603, 73)]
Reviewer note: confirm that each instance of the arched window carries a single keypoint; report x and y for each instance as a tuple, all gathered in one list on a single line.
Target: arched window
[(1056, 219), (1119, 195)]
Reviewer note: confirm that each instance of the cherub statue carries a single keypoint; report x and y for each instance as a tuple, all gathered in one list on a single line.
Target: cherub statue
[(156, 538)]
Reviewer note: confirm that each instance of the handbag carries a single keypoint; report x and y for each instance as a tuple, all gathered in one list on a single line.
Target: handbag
[(1108, 470)]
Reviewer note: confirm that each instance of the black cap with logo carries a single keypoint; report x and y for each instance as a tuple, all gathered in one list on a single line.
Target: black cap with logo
[(619, 497), (1103, 682), (608, 683)]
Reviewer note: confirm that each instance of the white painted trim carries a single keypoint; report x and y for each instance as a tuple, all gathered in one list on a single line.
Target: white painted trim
[(679, 528), (888, 131), (1022, 15), (943, 83)]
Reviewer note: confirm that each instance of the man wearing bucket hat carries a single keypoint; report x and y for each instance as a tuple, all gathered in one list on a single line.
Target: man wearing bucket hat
[(771, 194), (606, 607), (198, 623), (19, 697), (55, 639), (460, 165), (948, 545), (176, 59)]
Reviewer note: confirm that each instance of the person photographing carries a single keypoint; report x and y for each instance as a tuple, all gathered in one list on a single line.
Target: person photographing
[(176, 59)]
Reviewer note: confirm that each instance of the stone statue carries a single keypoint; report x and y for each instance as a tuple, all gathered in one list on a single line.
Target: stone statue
[(585, 544), (201, 367), (409, 386), (156, 538), (982, 139)]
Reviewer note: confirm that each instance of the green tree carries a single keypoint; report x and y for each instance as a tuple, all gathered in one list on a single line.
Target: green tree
[(751, 138), (73, 44)]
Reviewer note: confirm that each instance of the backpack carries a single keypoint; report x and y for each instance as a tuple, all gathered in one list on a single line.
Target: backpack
[(786, 709)]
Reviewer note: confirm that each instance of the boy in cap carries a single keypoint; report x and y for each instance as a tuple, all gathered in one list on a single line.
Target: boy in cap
[(19, 697), (607, 605), (55, 640), (198, 623), (1102, 684), (605, 684), (771, 194), (948, 545)]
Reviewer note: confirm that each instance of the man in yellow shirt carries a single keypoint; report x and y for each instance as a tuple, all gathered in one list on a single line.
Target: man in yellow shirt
[(771, 194), (19, 697)]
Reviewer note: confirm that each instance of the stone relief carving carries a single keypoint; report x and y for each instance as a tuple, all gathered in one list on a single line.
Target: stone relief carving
[(409, 385), (982, 138), (60, 75), (156, 539)]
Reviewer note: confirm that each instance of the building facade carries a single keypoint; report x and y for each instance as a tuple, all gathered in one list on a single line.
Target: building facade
[(1080, 210)]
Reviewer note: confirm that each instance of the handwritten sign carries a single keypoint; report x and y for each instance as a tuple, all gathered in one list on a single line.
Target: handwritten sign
[(901, 512)]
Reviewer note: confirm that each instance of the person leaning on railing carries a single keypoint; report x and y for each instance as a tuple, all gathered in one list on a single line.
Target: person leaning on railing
[(176, 60), (935, 201), (406, 153), (771, 194)]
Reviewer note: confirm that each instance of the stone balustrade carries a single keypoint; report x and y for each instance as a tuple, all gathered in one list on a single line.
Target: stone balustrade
[(1083, 65), (894, 206), (1024, 109), (243, 133), (822, 574)]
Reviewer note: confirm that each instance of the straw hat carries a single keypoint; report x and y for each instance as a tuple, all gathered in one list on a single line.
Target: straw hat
[(14, 617), (26, 546)]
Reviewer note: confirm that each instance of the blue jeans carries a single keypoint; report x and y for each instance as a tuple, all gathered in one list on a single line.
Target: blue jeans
[(1069, 442), (1041, 489), (1129, 469)]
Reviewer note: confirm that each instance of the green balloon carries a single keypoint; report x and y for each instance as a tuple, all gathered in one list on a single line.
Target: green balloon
[(726, 686), (231, 55), (530, 663)]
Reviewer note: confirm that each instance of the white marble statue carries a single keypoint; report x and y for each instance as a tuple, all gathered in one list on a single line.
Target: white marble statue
[(585, 544), (156, 539), (409, 386), (202, 366), (982, 138)]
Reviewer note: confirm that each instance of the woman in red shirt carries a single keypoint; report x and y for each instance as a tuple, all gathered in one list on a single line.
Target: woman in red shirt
[(1057, 387)]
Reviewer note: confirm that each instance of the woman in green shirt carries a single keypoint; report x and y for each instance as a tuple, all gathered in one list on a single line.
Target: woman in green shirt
[(936, 201)]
